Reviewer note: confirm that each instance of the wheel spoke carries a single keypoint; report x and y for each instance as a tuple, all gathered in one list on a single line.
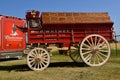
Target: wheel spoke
[(43, 64), (86, 45), (100, 57), (103, 47), (33, 54), (98, 41), (45, 61), (88, 57), (101, 44), (87, 52), (103, 54), (32, 60), (92, 41), (35, 66), (74, 54), (39, 51), (106, 51), (77, 57), (89, 42), (94, 59), (32, 63), (95, 40), (88, 49), (38, 65), (97, 58), (36, 52), (44, 56)]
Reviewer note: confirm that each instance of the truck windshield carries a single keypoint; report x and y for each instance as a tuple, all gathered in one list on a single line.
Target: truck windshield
[(34, 23)]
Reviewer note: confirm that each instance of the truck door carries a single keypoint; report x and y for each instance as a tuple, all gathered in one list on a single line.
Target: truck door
[(13, 39)]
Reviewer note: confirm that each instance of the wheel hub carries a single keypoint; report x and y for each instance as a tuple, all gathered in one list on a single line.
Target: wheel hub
[(94, 49), (37, 60)]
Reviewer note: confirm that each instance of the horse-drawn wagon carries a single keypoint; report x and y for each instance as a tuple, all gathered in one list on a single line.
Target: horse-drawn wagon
[(87, 36)]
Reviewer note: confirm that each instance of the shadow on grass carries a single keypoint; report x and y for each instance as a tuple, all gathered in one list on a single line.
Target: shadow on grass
[(9, 59), (24, 67), (16, 67), (67, 64)]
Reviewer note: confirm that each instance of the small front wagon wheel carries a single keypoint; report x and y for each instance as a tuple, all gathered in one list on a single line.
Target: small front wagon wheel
[(95, 50), (38, 59)]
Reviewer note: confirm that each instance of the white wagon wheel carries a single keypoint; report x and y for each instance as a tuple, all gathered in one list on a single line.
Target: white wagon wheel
[(38, 59), (95, 50), (74, 53)]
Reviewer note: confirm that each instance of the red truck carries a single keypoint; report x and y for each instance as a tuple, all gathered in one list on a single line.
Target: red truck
[(86, 34), (12, 40)]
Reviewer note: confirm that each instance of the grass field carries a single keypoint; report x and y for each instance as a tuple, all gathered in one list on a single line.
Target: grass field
[(61, 68)]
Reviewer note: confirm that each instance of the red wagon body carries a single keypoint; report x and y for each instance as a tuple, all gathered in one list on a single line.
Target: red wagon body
[(85, 34), (66, 28)]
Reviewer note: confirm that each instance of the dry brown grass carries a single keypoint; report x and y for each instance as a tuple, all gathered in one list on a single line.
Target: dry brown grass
[(113, 45)]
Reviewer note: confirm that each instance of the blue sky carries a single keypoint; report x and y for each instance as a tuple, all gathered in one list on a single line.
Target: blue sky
[(19, 7)]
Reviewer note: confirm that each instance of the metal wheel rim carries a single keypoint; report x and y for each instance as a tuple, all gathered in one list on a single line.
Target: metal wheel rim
[(38, 59), (95, 50)]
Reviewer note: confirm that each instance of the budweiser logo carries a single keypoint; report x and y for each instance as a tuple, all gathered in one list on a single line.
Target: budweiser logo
[(14, 33), (11, 38)]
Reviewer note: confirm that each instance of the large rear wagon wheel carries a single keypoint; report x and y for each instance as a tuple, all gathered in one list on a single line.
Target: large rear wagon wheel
[(95, 50), (38, 59)]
